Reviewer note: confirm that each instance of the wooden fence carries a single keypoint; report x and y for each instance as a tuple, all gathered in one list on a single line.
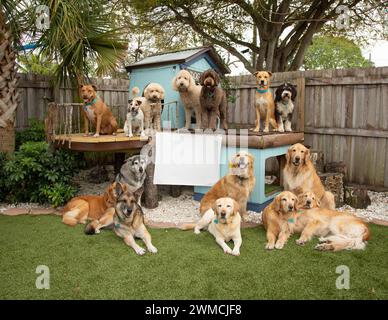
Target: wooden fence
[(37, 91), (344, 113)]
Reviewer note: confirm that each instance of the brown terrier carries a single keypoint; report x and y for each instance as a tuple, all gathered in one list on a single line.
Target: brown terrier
[(97, 112)]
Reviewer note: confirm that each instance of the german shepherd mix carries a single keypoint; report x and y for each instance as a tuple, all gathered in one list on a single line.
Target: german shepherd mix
[(129, 221)]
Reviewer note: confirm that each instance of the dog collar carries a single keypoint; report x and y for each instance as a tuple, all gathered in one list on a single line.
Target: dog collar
[(216, 221), (261, 91), (291, 220), (90, 103), (211, 94)]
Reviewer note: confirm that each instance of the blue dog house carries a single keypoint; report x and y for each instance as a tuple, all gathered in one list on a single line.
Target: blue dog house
[(162, 68)]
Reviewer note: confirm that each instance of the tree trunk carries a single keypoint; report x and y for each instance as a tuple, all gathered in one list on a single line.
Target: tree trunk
[(9, 97)]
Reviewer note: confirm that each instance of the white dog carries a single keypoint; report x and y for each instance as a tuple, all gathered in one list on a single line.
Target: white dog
[(189, 92), (135, 116), (223, 221)]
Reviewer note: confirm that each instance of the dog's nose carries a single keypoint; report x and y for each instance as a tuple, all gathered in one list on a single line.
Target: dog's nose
[(181, 84), (308, 202), (297, 159), (262, 81), (290, 207), (141, 169)]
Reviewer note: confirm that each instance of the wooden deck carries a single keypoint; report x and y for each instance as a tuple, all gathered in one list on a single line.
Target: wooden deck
[(117, 143), (121, 143)]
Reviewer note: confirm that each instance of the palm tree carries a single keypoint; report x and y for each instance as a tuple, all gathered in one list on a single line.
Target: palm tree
[(79, 31), (9, 96)]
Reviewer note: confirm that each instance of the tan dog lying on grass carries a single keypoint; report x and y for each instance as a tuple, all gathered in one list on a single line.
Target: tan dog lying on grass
[(223, 221), (238, 184), (97, 112), (338, 230), (89, 207), (299, 176)]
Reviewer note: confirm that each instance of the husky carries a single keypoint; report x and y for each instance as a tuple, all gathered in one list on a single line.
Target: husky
[(133, 173)]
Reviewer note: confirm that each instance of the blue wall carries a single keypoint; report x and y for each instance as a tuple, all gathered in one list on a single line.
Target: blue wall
[(163, 75)]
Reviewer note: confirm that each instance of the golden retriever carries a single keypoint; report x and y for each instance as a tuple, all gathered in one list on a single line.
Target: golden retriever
[(275, 217), (238, 184), (189, 93), (97, 112), (299, 176), (337, 230), (264, 102), (89, 207), (223, 221)]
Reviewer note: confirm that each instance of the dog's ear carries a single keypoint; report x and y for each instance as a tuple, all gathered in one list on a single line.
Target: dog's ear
[(94, 87), (161, 93), (276, 203), (118, 189), (255, 74), (217, 78), (202, 78), (236, 207), (288, 155), (278, 93), (269, 73), (307, 156), (81, 86), (174, 86)]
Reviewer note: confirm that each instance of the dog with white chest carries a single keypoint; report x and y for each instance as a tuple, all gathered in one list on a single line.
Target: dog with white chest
[(134, 124), (284, 106)]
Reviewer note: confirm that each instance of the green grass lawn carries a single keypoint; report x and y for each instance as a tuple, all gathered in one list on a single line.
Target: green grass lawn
[(187, 266)]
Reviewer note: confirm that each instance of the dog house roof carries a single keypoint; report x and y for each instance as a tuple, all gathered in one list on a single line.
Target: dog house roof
[(178, 57)]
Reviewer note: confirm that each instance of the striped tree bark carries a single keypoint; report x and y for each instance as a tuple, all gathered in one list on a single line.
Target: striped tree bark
[(9, 96)]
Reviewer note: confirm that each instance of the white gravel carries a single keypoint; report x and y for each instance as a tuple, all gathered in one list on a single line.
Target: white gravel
[(378, 209), (185, 210)]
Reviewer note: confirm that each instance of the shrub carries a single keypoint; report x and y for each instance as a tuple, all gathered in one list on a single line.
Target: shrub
[(38, 175), (34, 132), (2, 176)]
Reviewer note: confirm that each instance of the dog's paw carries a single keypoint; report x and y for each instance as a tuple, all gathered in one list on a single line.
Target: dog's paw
[(197, 230), (281, 130), (152, 249), (140, 251), (289, 130), (266, 130), (97, 231), (269, 246), (245, 218), (130, 135), (324, 247), (235, 252), (86, 134), (96, 135), (322, 240), (228, 250), (279, 245), (301, 242)]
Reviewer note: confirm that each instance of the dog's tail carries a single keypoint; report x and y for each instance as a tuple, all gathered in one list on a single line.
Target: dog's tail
[(135, 92), (340, 242), (187, 226)]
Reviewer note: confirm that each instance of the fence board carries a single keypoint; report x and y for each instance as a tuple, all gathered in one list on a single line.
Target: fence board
[(345, 116)]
